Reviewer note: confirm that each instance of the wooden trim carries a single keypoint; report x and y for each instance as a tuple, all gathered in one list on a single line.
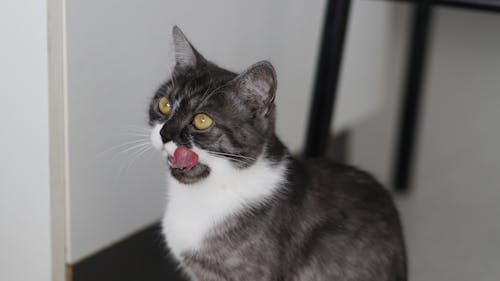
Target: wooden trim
[(56, 33), (69, 273)]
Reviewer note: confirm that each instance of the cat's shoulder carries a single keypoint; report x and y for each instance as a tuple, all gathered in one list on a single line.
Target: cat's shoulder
[(320, 169), (326, 179)]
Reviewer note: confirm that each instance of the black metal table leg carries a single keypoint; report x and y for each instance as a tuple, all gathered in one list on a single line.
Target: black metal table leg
[(327, 74), (411, 102)]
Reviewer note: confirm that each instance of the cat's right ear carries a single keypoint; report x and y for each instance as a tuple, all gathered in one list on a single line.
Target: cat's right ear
[(186, 55)]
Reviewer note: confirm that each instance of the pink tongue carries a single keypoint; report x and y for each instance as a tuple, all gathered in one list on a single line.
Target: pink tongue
[(184, 158)]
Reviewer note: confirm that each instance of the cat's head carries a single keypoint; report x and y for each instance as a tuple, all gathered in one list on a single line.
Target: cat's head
[(205, 116)]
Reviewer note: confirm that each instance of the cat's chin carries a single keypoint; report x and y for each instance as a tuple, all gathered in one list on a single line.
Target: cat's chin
[(190, 176)]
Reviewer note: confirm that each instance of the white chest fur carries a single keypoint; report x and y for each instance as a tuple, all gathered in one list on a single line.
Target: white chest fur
[(193, 210)]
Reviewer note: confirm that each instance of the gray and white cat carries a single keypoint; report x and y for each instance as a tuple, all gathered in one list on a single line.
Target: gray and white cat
[(240, 207)]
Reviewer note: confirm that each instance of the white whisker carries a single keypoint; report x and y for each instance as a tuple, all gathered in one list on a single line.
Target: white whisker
[(136, 146), (132, 158), (231, 155), (244, 161), (172, 78), (214, 91), (121, 145)]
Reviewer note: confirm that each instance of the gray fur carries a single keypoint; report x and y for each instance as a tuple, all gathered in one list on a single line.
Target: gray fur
[(340, 224), (327, 222)]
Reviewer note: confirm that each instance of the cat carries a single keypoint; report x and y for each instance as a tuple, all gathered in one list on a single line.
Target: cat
[(240, 207)]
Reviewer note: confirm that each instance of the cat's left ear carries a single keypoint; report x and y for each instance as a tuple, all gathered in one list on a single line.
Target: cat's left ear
[(186, 55), (257, 85)]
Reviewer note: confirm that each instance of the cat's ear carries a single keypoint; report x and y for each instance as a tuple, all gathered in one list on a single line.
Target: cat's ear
[(186, 55), (257, 84)]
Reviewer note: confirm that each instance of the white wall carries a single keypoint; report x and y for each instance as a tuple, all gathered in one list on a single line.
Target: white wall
[(370, 61), (24, 165), (451, 217), (372, 138), (119, 52)]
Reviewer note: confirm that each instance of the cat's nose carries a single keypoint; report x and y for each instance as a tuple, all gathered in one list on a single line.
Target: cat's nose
[(178, 135), (166, 136)]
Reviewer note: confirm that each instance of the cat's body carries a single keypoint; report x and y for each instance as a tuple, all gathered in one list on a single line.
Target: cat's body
[(247, 210)]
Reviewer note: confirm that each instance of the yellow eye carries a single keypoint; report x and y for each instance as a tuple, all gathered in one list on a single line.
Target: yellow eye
[(202, 121), (164, 106)]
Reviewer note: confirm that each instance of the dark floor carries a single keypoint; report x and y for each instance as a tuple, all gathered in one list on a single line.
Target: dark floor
[(141, 257)]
